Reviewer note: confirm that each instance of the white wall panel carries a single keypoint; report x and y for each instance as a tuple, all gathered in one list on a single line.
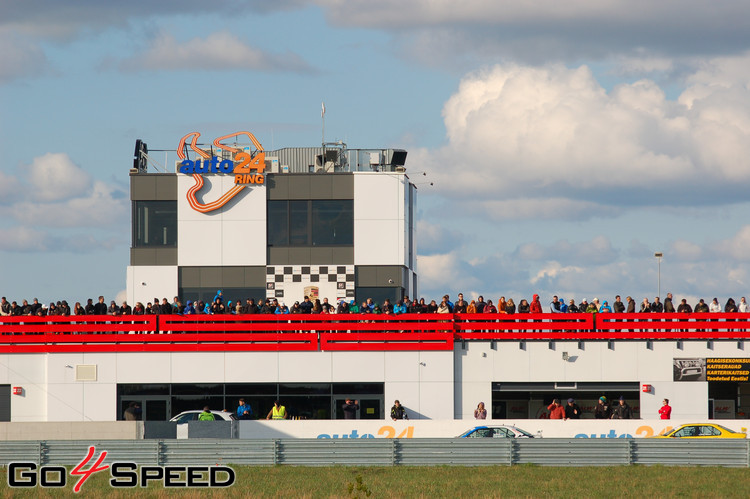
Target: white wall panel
[(377, 242), (199, 243), (197, 367), (402, 366), (259, 367), (65, 402), (358, 366), (378, 196), (144, 367), (301, 367), (242, 243), (148, 282), (100, 401)]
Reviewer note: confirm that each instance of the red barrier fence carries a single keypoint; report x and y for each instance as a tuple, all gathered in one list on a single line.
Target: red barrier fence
[(362, 332)]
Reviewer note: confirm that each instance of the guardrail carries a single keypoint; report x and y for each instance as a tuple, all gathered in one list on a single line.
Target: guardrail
[(391, 452), (346, 332)]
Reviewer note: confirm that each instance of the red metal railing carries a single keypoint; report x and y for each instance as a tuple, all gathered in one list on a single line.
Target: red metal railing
[(168, 333)]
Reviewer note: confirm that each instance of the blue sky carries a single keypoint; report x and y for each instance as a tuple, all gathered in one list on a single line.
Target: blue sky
[(567, 141)]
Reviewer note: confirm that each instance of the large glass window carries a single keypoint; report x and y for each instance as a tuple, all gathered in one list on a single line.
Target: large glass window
[(311, 223), (302, 400), (332, 223), (154, 223)]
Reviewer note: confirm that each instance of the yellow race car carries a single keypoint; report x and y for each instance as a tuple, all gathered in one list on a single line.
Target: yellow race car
[(702, 430)]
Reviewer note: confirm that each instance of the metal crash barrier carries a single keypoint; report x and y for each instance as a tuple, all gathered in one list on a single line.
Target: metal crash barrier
[(390, 452)]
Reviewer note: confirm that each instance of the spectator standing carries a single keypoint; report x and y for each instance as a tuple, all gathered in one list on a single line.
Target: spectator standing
[(556, 410), (4, 307), (631, 305), (731, 306), (743, 307), (602, 409), (572, 411), (350, 408), (554, 306), (684, 307), (480, 412), (523, 307), (100, 308), (622, 410), (244, 411), (714, 306), (536, 306), (701, 307), (277, 412), (665, 411), (480, 304), (398, 411), (618, 306), (668, 305), (510, 307)]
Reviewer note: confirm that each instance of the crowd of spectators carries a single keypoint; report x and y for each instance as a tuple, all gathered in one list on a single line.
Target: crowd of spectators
[(218, 305)]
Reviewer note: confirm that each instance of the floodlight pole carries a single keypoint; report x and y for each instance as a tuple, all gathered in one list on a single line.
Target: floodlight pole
[(658, 256)]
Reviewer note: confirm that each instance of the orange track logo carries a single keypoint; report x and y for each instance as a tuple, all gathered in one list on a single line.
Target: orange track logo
[(241, 168)]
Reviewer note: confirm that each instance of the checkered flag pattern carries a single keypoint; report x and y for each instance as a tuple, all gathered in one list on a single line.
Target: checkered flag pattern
[(278, 275)]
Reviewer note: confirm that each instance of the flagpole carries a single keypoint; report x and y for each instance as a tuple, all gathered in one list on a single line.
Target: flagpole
[(323, 134)]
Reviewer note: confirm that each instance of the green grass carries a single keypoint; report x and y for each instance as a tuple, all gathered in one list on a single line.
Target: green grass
[(444, 481)]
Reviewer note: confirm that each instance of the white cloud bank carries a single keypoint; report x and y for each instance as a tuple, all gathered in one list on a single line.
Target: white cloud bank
[(592, 268), (553, 141), (53, 195)]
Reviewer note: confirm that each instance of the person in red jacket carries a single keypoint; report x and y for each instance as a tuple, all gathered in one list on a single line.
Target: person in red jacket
[(556, 410), (536, 306), (665, 412)]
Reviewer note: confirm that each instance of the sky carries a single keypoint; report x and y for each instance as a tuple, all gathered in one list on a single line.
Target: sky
[(556, 144)]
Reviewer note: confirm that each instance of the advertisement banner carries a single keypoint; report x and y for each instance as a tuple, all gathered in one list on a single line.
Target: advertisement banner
[(348, 429)]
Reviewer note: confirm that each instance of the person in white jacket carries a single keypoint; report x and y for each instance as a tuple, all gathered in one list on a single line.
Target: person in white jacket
[(743, 306), (714, 306)]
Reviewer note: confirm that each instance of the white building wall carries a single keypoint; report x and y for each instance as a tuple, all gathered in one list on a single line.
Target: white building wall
[(146, 282), (379, 208), (51, 393), (234, 235), (478, 366)]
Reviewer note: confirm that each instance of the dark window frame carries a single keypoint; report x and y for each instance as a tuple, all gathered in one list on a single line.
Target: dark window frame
[(301, 223), (144, 235)]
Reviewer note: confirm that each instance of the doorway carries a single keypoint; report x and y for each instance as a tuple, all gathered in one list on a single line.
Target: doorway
[(147, 407), (369, 407)]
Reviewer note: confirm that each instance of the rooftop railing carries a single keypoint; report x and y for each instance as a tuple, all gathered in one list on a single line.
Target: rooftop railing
[(347, 332)]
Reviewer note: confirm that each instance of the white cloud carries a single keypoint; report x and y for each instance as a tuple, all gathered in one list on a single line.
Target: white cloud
[(55, 177), (547, 141), (104, 205), (217, 51)]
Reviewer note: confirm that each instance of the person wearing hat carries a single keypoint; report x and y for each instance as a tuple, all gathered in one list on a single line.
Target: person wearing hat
[(572, 411), (602, 409), (605, 307), (622, 410)]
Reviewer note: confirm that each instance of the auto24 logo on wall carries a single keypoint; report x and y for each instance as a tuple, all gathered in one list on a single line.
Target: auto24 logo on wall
[(123, 474), (246, 167)]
